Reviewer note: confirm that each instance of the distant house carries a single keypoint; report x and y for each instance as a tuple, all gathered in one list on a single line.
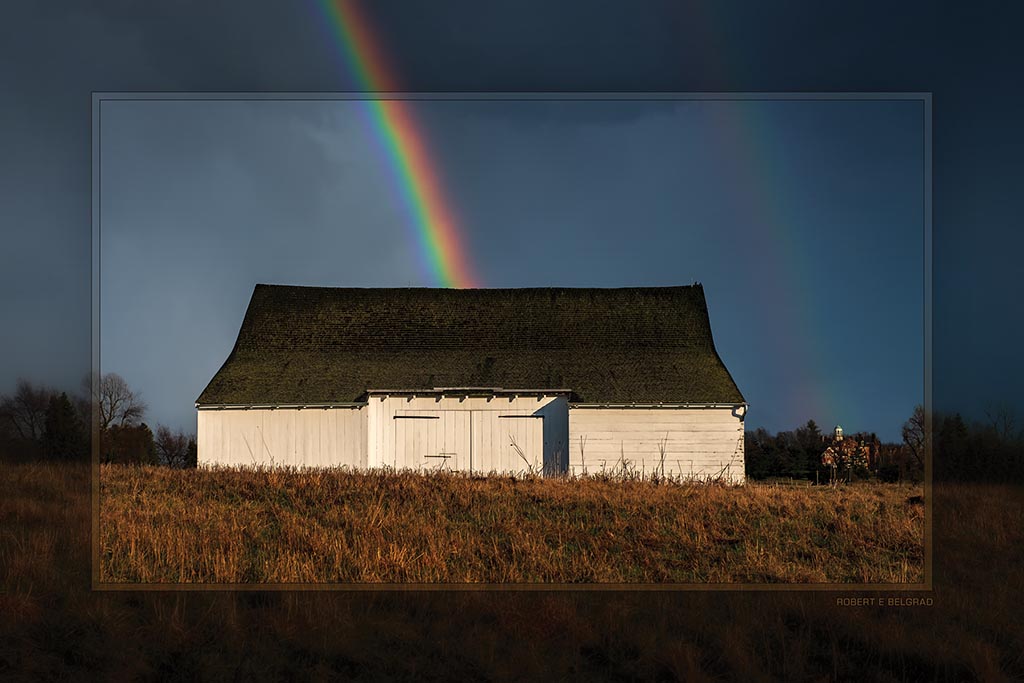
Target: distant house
[(550, 380)]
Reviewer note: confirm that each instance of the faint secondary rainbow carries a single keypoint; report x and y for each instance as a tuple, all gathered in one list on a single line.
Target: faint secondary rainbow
[(416, 175), (742, 132)]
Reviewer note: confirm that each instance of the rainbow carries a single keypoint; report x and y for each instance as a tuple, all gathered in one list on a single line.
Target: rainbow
[(740, 129), (416, 176)]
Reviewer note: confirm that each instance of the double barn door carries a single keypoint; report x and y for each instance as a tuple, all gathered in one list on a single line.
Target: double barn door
[(479, 441)]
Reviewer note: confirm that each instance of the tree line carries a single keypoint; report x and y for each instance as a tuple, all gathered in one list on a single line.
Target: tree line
[(988, 449), (798, 454), (41, 423), (983, 450)]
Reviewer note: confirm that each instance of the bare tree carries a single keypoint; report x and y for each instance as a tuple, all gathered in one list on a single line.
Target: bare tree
[(174, 448), (25, 411), (115, 402), (914, 435), (1000, 416)]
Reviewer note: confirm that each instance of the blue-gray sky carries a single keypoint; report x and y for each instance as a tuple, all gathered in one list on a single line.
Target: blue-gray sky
[(53, 55), (803, 220)]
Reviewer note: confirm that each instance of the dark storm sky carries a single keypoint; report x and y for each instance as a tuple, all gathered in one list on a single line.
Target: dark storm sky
[(53, 56), (803, 219)]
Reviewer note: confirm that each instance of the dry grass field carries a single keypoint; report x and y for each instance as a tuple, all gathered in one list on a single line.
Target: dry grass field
[(53, 626), (330, 526)]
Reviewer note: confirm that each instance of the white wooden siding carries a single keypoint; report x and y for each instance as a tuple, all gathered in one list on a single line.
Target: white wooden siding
[(431, 439), (403, 431), (400, 432), (508, 441), (306, 437), (698, 442)]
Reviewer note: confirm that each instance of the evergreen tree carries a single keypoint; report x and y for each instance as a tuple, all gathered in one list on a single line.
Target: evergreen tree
[(810, 446), (130, 445), (64, 436), (952, 448), (192, 459)]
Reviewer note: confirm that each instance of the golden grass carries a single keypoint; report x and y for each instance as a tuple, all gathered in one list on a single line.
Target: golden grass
[(332, 526), (52, 626)]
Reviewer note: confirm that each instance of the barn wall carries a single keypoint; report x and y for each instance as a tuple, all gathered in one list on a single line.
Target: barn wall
[(300, 437), (699, 442), (556, 435), (403, 430)]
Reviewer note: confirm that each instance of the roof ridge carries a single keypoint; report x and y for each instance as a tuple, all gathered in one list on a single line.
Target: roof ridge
[(692, 286)]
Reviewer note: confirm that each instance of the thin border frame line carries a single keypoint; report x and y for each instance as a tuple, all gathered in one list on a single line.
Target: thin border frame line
[(925, 98)]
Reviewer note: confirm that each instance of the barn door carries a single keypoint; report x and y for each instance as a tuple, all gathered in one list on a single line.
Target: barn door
[(432, 439), (508, 441)]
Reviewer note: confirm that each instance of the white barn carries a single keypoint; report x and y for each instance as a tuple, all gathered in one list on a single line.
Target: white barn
[(550, 380)]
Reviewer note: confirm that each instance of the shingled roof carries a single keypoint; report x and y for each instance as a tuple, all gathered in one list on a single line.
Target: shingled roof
[(302, 345)]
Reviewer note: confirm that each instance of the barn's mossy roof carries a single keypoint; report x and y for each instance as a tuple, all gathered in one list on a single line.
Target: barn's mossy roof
[(322, 345)]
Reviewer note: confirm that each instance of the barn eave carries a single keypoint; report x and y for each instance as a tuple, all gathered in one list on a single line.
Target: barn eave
[(272, 406), (659, 405)]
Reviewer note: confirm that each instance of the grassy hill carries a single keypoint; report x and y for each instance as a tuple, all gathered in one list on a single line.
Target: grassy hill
[(333, 526)]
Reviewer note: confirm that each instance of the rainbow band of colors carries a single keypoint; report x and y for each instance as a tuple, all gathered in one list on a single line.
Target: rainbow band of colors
[(417, 177)]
